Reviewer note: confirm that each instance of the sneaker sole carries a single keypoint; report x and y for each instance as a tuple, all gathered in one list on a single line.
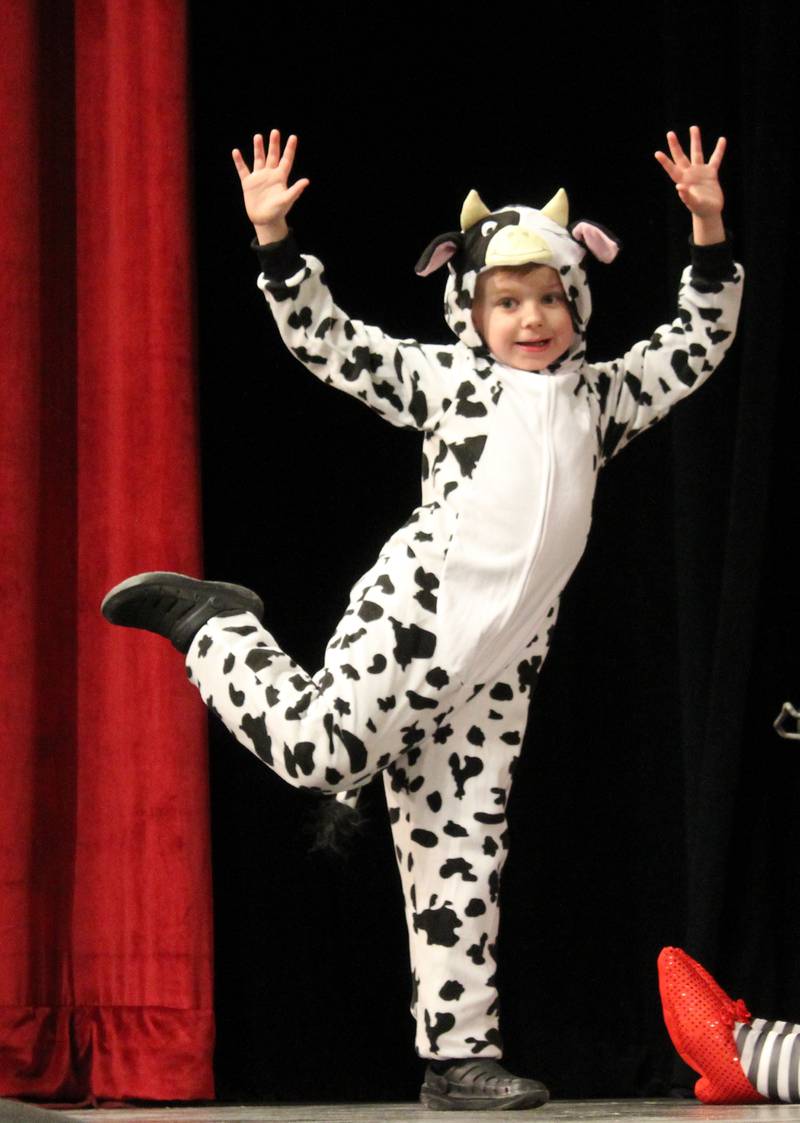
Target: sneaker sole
[(438, 1101), (123, 604)]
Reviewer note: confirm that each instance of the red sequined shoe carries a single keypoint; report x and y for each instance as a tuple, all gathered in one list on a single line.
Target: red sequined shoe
[(699, 1017), (737, 1008)]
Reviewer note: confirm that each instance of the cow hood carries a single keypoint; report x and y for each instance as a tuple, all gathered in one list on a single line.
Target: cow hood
[(517, 235)]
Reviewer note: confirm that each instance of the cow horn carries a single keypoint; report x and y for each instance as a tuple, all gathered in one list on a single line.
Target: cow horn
[(473, 210), (558, 208)]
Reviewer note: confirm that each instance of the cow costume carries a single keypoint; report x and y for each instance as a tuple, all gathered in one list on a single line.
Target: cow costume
[(429, 674)]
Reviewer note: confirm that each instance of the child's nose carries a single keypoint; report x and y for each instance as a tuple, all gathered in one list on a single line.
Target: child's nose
[(533, 312)]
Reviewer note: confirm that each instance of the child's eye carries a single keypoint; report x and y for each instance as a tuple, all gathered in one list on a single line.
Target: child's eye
[(552, 298), (507, 302)]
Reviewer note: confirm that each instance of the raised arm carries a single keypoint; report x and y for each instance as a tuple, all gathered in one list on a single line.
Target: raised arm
[(641, 387), (398, 378)]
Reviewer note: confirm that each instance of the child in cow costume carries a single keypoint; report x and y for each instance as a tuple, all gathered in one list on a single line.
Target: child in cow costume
[(430, 671)]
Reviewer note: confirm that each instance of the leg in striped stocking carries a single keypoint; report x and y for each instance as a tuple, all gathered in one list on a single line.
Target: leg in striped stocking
[(769, 1053)]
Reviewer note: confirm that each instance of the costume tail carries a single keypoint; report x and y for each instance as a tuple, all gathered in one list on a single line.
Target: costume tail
[(337, 821)]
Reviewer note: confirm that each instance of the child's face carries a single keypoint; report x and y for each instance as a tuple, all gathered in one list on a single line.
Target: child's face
[(523, 317)]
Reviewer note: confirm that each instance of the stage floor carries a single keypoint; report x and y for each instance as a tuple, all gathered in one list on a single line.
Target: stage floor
[(560, 1111)]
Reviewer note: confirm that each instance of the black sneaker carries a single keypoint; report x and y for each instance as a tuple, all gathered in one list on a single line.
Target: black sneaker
[(479, 1085), (175, 606)]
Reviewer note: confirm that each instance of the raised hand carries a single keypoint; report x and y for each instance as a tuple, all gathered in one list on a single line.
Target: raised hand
[(268, 198), (697, 182)]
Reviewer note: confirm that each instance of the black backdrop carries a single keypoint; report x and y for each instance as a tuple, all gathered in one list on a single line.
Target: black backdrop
[(654, 803)]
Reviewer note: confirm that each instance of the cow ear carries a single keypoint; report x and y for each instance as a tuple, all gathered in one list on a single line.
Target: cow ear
[(600, 242), (439, 252)]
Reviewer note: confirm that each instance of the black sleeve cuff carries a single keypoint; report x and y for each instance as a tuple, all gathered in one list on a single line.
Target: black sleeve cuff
[(278, 260), (713, 263)]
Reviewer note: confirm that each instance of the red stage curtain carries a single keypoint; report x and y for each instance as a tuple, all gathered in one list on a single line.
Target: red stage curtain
[(105, 910)]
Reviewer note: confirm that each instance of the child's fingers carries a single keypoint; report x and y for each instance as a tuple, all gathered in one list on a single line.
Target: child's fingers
[(287, 159), (677, 153), (259, 159), (295, 191), (696, 145), (241, 166), (715, 159), (274, 152), (667, 165)]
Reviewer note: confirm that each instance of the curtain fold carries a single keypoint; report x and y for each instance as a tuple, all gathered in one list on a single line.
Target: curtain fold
[(105, 904)]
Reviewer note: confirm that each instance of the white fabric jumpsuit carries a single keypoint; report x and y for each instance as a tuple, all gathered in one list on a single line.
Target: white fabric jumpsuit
[(430, 671)]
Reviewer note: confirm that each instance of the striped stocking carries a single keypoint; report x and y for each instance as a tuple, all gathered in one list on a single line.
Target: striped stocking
[(769, 1053)]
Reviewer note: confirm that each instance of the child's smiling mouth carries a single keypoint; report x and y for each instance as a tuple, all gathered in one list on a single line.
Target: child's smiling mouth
[(534, 344)]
